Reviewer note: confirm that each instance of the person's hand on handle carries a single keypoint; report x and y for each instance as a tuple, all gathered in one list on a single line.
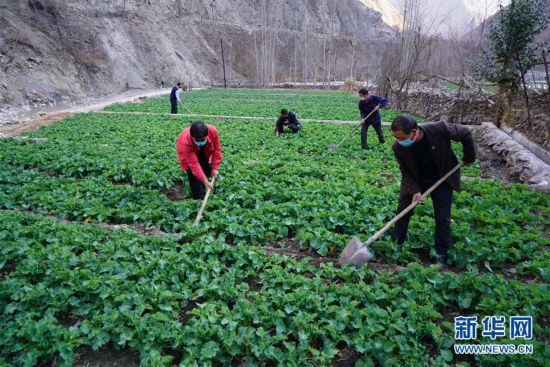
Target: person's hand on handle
[(377, 107), (208, 185), (215, 173), (418, 198)]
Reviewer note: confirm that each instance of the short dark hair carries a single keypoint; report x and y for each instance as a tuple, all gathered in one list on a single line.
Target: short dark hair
[(179, 84), (364, 90), (199, 130), (404, 123), (284, 111)]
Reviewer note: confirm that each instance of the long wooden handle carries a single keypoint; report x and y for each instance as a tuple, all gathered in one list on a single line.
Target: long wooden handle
[(203, 205), (349, 135), (355, 128), (411, 206)]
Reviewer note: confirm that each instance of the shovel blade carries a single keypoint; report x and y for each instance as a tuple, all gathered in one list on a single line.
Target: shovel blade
[(361, 257), (353, 245), (333, 147), (356, 253)]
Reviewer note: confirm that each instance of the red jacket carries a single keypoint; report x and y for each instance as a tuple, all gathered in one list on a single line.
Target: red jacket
[(188, 152)]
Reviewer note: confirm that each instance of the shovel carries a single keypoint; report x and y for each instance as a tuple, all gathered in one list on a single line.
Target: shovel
[(203, 205), (357, 253), (336, 146)]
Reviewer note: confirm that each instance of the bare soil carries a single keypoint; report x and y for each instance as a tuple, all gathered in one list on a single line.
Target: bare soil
[(346, 358), (176, 192), (292, 249), (137, 227), (33, 124), (106, 357)]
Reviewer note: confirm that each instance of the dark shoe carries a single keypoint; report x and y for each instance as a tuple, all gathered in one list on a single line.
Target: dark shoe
[(382, 142), (442, 261), (366, 147)]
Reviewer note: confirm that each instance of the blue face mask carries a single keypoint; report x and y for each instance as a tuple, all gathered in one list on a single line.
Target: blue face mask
[(200, 143), (406, 143)]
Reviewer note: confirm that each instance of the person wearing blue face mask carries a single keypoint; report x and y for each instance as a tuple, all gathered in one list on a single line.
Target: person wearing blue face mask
[(424, 155), (200, 156)]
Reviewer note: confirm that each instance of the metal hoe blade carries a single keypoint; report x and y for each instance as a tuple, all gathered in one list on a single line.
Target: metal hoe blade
[(356, 253), (353, 245)]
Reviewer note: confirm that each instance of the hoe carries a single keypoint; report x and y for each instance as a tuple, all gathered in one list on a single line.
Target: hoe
[(336, 146), (357, 253), (203, 205)]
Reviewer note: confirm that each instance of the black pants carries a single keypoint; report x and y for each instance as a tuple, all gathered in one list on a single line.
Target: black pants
[(442, 198), (377, 125), (174, 107), (197, 188), (280, 126)]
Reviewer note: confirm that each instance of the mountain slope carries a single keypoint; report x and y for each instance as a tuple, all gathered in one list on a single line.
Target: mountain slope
[(51, 50), (453, 17), (390, 14)]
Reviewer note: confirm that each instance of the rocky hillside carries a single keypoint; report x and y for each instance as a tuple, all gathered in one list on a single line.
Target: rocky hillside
[(452, 18), (51, 50), (482, 30)]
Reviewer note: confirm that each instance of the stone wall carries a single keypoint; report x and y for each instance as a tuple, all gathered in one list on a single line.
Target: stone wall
[(538, 130), (469, 108), (436, 104)]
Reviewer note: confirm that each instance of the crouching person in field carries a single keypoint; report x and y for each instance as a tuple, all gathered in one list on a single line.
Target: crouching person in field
[(289, 120), (425, 155), (200, 155)]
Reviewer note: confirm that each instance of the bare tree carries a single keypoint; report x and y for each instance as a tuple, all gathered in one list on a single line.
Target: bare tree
[(405, 58), (256, 49), (306, 48)]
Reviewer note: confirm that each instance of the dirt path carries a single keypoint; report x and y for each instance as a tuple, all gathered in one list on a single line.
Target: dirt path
[(33, 120), (33, 124)]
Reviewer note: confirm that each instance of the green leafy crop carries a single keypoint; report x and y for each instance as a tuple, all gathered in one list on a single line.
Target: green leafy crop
[(212, 295), (322, 105)]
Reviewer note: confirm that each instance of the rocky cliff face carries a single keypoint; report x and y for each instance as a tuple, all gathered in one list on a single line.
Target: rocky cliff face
[(54, 49)]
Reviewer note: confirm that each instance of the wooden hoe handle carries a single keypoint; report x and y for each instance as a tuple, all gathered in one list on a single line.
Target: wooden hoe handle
[(203, 205)]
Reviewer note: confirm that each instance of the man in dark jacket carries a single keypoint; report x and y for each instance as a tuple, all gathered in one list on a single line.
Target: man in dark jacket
[(367, 104), (425, 155), (287, 119), (175, 98)]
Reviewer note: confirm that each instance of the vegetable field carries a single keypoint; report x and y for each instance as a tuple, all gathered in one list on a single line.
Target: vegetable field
[(98, 251), (322, 105)]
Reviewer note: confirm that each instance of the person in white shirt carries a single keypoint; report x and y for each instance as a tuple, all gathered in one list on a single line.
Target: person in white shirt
[(175, 98)]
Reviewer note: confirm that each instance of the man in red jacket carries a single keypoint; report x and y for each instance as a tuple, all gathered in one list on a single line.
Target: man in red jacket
[(200, 155)]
